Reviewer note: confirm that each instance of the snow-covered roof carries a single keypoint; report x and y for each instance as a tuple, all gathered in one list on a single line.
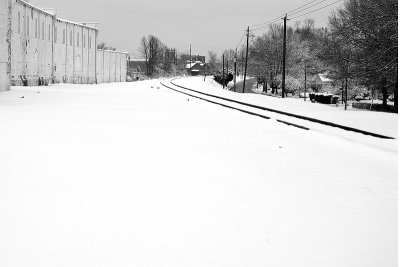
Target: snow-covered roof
[(324, 78), (138, 59), (190, 65)]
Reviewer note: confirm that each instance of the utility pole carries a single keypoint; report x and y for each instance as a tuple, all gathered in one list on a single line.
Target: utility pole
[(342, 92), (223, 71), (227, 66), (234, 70), (241, 53), (190, 56), (345, 86), (305, 79), (247, 54), (284, 56), (345, 94)]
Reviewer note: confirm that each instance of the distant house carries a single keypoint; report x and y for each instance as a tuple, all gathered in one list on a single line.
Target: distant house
[(197, 68), (322, 82), (137, 68)]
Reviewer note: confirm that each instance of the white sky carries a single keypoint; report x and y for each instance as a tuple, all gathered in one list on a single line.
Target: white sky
[(207, 25)]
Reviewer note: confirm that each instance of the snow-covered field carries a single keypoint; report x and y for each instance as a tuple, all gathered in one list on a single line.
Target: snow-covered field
[(127, 174)]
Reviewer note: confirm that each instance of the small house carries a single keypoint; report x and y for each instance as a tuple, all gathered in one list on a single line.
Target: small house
[(197, 68)]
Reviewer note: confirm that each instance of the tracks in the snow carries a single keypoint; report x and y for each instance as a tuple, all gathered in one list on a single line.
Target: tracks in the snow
[(238, 105)]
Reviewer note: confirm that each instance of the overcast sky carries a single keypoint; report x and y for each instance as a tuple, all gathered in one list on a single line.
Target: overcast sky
[(207, 25)]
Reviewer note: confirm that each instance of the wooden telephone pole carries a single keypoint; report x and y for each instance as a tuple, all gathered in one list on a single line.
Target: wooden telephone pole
[(234, 67), (223, 71), (305, 79), (284, 57), (247, 54)]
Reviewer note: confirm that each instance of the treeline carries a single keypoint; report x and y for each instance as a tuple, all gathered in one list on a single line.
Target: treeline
[(161, 60), (358, 48)]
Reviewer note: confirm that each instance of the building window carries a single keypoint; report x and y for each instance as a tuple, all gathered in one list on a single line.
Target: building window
[(49, 32), (77, 39), (27, 26), (70, 38), (42, 30), (90, 42), (55, 34), (84, 40), (19, 22), (63, 36)]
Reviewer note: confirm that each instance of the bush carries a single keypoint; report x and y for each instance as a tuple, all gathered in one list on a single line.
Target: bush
[(292, 85), (221, 80), (375, 107), (324, 98)]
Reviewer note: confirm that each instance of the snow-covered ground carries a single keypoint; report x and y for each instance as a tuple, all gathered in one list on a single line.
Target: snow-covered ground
[(376, 122), (127, 174)]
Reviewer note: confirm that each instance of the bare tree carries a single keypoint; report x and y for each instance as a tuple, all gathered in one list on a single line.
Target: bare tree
[(144, 51), (213, 60), (104, 46), (153, 50)]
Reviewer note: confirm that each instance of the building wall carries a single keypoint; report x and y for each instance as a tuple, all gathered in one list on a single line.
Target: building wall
[(100, 66), (31, 44), (111, 66), (74, 47), (124, 66), (45, 48), (92, 48), (69, 47), (4, 76)]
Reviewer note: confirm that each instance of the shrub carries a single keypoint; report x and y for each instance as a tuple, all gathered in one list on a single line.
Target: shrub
[(375, 107), (324, 98)]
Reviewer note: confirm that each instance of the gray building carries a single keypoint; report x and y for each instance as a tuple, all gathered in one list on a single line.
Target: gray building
[(46, 48), (4, 58)]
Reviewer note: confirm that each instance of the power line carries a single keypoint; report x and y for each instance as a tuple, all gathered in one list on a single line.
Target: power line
[(267, 22), (302, 6), (267, 25), (263, 27), (278, 18), (304, 9), (317, 9), (240, 40)]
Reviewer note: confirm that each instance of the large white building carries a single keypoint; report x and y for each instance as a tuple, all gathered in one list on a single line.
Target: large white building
[(37, 47), (4, 72)]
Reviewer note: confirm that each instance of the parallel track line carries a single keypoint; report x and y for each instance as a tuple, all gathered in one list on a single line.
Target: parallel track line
[(331, 124)]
